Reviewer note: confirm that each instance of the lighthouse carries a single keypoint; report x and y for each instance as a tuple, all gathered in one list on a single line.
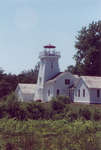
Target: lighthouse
[(49, 68)]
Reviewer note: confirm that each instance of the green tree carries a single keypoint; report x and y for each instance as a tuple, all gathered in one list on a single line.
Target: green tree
[(88, 46), (29, 76)]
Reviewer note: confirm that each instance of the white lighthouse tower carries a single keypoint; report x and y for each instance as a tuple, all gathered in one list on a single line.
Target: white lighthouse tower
[(49, 67)]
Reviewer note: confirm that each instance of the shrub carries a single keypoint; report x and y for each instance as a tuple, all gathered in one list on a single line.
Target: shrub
[(71, 116), (57, 106), (85, 113), (58, 116), (35, 110), (97, 115), (64, 99)]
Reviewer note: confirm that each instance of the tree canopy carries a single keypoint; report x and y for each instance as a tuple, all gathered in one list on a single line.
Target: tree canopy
[(8, 82), (88, 46)]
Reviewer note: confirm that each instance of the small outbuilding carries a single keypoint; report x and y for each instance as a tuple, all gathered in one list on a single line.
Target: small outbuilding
[(25, 92), (88, 90)]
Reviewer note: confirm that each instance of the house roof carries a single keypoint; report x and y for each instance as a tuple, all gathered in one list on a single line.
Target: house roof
[(60, 74), (92, 81), (27, 88), (56, 77), (77, 78)]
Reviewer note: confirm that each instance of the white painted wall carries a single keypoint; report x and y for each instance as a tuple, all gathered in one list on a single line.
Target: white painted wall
[(58, 84), (49, 67), (23, 97), (93, 96), (46, 72), (28, 97), (81, 99), (18, 93), (47, 88)]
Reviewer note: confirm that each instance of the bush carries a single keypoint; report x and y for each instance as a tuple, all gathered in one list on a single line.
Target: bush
[(97, 115), (2, 110), (64, 99), (57, 105), (51, 135), (71, 116), (85, 113), (35, 110)]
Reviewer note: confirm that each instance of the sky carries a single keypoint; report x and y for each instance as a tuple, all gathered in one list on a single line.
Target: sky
[(27, 25)]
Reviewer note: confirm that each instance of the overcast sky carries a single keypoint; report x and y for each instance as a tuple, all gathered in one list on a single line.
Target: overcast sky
[(27, 25)]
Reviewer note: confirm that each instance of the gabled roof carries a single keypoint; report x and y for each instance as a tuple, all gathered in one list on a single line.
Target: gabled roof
[(55, 77), (77, 78), (27, 88), (92, 81), (60, 74)]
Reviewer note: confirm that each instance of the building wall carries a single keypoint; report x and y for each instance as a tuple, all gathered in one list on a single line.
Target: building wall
[(23, 97), (81, 86), (93, 96), (60, 85), (48, 92), (19, 94), (28, 97), (48, 68)]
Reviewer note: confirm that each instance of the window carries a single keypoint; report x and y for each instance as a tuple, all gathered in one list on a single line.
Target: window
[(67, 81), (75, 93), (79, 93), (49, 92), (40, 80), (57, 92), (52, 65), (83, 92), (98, 93)]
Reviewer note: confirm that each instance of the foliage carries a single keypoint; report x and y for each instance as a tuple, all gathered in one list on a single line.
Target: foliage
[(97, 115), (88, 46), (42, 134), (57, 125), (85, 113), (59, 108), (58, 103), (8, 82)]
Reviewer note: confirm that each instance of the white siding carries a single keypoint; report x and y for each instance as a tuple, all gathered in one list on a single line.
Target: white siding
[(58, 84), (51, 88), (19, 94), (28, 97), (24, 96), (93, 96), (81, 86)]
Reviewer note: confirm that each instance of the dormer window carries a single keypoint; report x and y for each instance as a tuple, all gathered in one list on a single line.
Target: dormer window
[(67, 81)]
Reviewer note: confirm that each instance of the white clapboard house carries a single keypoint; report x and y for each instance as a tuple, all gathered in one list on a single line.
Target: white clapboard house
[(88, 90)]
